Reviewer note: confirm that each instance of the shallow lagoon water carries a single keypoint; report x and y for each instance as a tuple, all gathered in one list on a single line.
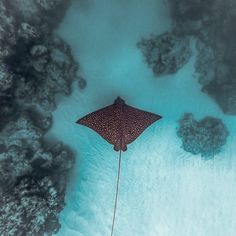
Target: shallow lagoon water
[(164, 190)]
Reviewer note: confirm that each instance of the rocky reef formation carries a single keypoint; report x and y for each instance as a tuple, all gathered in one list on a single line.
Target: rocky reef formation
[(52, 66), (211, 22), (33, 177), (166, 53), (35, 65), (30, 208), (205, 137)]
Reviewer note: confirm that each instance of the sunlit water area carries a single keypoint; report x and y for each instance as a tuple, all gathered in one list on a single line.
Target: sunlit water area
[(164, 190)]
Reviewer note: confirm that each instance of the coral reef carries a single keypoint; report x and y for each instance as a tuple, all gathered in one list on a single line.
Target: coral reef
[(205, 137), (211, 22), (82, 83), (33, 178), (52, 65), (35, 65), (30, 208), (193, 16), (166, 53)]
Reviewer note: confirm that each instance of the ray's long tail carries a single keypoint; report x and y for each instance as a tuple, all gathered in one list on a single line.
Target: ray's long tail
[(117, 191)]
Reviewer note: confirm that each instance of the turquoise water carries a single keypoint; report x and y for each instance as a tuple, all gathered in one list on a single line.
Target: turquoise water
[(164, 190)]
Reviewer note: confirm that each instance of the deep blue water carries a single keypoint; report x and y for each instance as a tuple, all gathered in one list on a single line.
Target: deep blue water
[(164, 190)]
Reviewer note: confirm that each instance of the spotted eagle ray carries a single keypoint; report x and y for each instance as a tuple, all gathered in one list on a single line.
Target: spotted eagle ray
[(119, 124)]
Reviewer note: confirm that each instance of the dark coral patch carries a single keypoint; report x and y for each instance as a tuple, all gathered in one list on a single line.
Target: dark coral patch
[(205, 137)]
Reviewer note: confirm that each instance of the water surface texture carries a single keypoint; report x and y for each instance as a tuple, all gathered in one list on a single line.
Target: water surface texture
[(164, 190)]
